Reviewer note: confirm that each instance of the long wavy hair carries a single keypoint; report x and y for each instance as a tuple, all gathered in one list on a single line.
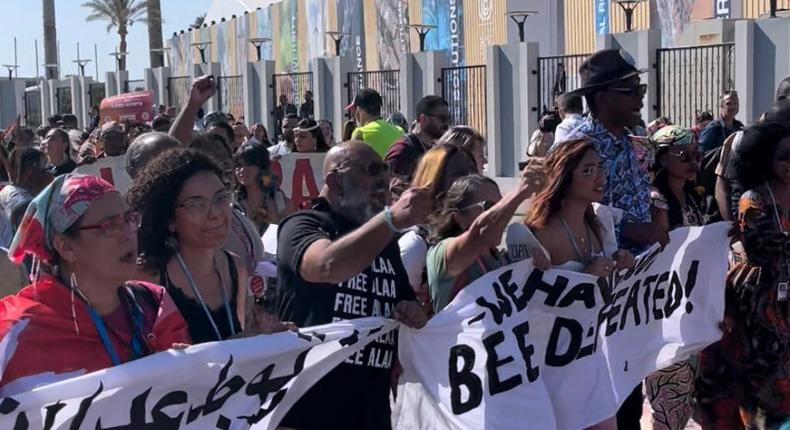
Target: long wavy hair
[(559, 167), (460, 195), (253, 155), (432, 168)]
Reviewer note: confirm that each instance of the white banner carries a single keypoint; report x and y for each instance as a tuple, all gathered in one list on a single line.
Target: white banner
[(302, 175), (522, 346), (517, 346), (235, 384), (111, 169)]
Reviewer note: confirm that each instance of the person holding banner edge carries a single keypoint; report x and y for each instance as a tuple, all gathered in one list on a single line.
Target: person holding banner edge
[(83, 239), (340, 260)]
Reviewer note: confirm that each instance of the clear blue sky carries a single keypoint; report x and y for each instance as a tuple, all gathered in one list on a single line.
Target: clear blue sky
[(23, 20)]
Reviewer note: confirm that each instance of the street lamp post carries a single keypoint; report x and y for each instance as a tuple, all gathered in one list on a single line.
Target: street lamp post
[(628, 7), (422, 31), (82, 64), (257, 42), (520, 17), (11, 69), (337, 37), (119, 56), (201, 47)]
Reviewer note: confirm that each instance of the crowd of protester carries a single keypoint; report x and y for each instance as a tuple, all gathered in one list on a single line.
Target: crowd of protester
[(172, 262)]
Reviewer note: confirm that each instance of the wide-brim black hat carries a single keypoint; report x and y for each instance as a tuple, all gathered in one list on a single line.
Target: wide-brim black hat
[(605, 67)]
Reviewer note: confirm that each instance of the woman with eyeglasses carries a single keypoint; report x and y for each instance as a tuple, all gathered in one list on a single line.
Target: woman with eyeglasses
[(744, 380), (81, 303), (563, 226), (186, 209), (308, 137), (257, 190), (437, 170), (674, 203), (467, 229)]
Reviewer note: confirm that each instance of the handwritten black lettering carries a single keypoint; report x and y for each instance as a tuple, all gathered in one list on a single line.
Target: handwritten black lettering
[(463, 377)]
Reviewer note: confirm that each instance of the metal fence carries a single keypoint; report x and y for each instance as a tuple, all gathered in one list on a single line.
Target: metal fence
[(385, 82), (464, 88), (33, 108), (63, 96), (178, 91), (692, 79), (557, 75), (293, 86), (96, 93), (133, 85), (230, 90)]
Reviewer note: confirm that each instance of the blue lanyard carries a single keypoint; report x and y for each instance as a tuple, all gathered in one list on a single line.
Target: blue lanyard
[(105, 338)]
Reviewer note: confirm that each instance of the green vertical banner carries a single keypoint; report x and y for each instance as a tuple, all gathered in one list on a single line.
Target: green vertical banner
[(288, 57)]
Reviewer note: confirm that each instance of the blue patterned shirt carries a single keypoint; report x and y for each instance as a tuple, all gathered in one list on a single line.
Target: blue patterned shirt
[(627, 186)]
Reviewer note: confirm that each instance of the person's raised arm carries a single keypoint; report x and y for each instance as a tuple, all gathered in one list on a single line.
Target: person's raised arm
[(202, 89), (487, 230), (327, 261)]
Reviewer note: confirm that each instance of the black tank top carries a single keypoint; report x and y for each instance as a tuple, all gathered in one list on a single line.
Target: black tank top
[(200, 328)]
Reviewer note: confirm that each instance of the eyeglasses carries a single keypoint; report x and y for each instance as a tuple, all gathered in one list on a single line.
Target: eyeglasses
[(117, 225), (200, 206), (596, 171), (373, 170), (484, 206), (685, 156), (635, 91)]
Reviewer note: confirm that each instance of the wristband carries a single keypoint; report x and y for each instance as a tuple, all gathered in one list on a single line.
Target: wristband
[(388, 219)]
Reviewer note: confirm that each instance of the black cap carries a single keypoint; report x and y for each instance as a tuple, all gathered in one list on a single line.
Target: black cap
[(605, 67), (367, 99)]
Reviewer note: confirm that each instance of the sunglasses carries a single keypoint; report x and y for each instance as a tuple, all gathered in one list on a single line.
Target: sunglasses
[(635, 91), (484, 206), (373, 169), (685, 156)]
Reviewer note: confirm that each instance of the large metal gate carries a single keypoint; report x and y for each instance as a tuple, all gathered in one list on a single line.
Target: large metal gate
[(293, 86), (557, 75), (464, 88), (230, 90), (385, 82), (178, 88), (63, 96), (692, 79), (32, 107), (96, 93)]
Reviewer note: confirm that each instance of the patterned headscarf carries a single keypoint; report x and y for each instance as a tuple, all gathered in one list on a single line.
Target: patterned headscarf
[(53, 211), (673, 135)]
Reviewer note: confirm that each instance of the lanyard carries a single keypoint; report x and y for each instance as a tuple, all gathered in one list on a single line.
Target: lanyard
[(776, 209), (195, 291), (105, 338)]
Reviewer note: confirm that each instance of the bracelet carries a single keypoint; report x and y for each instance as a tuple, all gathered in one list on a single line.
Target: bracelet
[(388, 219)]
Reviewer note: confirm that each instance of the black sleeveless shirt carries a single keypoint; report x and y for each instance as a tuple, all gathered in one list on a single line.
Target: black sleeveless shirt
[(200, 328)]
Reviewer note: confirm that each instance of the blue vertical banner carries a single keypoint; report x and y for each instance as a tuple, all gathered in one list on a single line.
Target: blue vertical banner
[(601, 16)]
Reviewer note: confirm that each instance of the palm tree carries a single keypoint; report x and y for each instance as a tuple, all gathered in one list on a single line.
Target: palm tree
[(199, 20), (121, 14), (50, 38), (154, 8)]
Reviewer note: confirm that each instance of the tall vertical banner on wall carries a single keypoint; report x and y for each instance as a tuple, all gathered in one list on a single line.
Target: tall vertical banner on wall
[(393, 30), (602, 16), (288, 57), (263, 28), (316, 28)]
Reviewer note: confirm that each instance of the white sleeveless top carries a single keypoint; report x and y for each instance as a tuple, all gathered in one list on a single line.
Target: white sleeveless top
[(522, 243)]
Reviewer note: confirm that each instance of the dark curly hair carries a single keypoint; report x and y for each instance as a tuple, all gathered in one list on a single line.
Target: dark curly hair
[(154, 194), (754, 160)]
